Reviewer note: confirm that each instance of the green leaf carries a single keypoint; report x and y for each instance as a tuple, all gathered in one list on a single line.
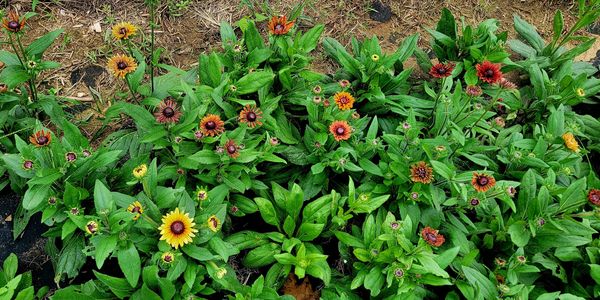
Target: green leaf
[(130, 263), (484, 285), (105, 245), (295, 201), (528, 33), (37, 47), (198, 253), (370, 167), (119, 286), (349, 239), (374, 281), (251, 82), (573, 196), (557, 25), (262, 256), (10, 266), (308, 42), (527, 192), (442, 169), (595, 272), (103, 198), (308, 232), (267, 211), (222, 248), (35, 195), (519, 234)]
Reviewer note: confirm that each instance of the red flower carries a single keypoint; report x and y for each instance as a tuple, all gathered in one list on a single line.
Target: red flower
[(421, 172), (441, 70), (594, 196), (341, 130), (280, 25), (432, 237), (489, 72), (167, 112), (482, 182)]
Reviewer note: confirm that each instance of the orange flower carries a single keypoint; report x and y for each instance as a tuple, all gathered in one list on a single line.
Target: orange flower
[(251, 115), (432, 237), (343, 100), (41, 138), (341, 130), (421, 172), (13, 23), (570, 142), (482, 182), (280, 25), (123, 30), (232, 149), (211, 125)]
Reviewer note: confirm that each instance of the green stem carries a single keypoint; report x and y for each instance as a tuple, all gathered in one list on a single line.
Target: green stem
[(31, 81), (152, 25), (130, 87), (437, 98)]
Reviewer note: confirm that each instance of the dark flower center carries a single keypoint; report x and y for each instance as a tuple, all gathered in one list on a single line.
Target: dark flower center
[(121, 65), (13, 25), (251, 117), (482, 180), (399, 273), (595, 197), (474, 202), (168, 112), (136, 209), (210, 125), (279, 27), (421, 172), (28, 164), (489, 73), (344, 100), (177, 227), (431, 237), (42, 140), (340, 130), (231, 149), (123, 31), (168, 258), (214, 222), (441, 70), (91, 227), (71, 156)]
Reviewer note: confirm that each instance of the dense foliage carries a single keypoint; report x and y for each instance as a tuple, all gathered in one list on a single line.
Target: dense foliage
[(253, 167)]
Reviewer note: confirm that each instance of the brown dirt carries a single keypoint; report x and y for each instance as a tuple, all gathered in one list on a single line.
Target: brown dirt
[(300, 290), (196, 31)]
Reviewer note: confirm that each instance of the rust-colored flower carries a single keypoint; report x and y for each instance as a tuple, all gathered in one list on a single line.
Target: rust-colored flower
[(343, 100), (341, 130), (41, 138), (232, 149), (167, 112), (211, 125), (123, 30), (570, 142), (432, 236), (421, 172), (482, 182), (251, 115), (507, 84), (489, 72), (594, 196), (121, 65), (280, 25), (13, 23), (441, 70), (474, 91)]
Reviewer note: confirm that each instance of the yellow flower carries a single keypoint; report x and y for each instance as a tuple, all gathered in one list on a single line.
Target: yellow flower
[(580, 92), (136, 209), (91, 227), (221, 272), (375, 57), (121, 65), (140, 171), (570, 142), (213, 223), (168, 257), (123, 30), (177, 228)]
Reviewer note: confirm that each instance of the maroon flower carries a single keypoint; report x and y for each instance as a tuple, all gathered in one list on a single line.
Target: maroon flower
[(28, 165), (70, 157), (167, 112), (489, 72), (594, 196), (441, 70), (474, 91), (232, 149)]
